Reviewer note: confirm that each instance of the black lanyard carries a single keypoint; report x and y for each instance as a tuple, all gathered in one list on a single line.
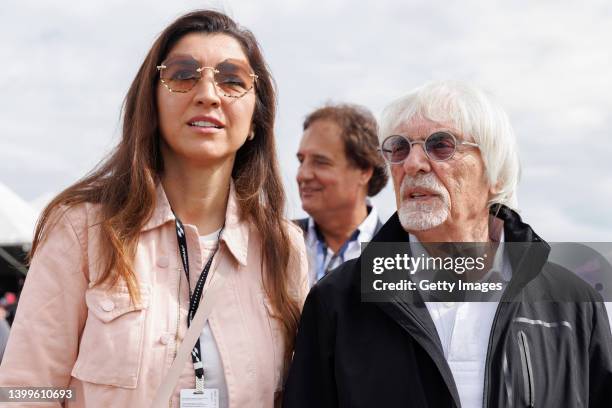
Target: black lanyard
[(194, 298)]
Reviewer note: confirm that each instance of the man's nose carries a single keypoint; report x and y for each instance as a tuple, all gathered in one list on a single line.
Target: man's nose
[(304, 172), (417, 161)]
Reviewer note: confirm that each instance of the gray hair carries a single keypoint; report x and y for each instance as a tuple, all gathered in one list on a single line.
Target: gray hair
[(470, 111)]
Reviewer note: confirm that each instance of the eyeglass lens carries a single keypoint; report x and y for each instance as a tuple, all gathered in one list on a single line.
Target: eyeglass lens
[(180, 74), (439, 146)]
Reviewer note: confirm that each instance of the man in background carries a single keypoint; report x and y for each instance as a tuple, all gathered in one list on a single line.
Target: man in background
[(340, 167)]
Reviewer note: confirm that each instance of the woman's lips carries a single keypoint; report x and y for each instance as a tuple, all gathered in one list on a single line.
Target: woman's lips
[(205, 129), (205, 124), (309, 191), (205, 121)]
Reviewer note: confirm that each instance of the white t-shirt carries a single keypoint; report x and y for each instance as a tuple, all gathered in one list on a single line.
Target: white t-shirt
[(214, 376)]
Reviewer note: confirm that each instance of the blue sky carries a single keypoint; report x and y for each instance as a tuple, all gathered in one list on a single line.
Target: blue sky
[(67, 66)]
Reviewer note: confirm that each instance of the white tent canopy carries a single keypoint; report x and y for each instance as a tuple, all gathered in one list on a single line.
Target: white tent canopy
[(17, 218)]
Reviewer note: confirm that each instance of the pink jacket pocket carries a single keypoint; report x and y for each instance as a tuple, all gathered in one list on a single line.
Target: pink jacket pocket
[(111, 345)]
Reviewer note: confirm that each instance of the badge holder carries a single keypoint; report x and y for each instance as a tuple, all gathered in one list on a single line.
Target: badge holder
[(208, 398)]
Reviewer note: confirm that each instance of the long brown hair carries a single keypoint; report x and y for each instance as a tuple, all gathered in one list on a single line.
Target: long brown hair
[(124, 183)]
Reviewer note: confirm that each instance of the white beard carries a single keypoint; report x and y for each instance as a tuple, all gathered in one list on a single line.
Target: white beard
[(418, 216)]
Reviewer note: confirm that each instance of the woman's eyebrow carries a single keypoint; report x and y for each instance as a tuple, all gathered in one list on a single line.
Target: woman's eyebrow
[(179, 54)]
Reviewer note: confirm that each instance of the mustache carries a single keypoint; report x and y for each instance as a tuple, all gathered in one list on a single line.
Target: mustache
[(428, 181)]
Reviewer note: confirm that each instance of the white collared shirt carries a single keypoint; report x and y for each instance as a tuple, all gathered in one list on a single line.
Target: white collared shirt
[(322, 259), (464, 329)]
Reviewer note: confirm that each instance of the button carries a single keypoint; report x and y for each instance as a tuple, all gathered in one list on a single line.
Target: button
[(165, 339), (163, 262), (107, 305)]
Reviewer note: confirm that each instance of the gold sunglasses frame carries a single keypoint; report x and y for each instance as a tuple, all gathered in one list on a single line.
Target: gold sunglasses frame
[(199, 71)]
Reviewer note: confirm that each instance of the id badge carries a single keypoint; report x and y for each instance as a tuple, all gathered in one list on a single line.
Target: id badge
[(209, 399)]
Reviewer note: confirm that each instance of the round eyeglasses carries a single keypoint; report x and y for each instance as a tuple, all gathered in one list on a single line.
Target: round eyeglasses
[(181, 73), (439, 146)]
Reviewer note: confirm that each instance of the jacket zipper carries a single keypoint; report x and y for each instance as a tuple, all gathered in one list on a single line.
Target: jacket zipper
[(505, 297), (527, 368)]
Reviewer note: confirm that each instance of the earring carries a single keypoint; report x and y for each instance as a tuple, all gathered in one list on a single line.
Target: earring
[(251, 135)]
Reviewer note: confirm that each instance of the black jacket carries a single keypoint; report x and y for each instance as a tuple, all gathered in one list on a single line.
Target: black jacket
[(355, 354)]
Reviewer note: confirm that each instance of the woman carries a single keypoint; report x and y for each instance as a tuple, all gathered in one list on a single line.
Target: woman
[(106, 301)]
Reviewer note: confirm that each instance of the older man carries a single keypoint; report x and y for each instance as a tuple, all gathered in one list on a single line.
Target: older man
[(454, 165), (339, 169)]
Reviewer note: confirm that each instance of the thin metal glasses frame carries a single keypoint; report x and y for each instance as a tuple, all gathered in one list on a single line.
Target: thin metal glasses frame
[(200, 70), (424, 143)]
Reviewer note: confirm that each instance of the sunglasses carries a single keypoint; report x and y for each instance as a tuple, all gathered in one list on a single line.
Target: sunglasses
[(439, 146), (181, 73)]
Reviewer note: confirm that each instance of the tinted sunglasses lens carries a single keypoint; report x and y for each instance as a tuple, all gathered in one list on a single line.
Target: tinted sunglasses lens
[(180, 75), (395, 148), (233, 79), (440, 146)]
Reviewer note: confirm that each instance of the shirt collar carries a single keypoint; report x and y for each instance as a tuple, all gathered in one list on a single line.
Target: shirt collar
[(236, 231), (366, 228)]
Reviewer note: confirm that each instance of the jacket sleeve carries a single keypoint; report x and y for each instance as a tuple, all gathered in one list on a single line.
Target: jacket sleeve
[(311, 380), (600, 356), (44, 339)]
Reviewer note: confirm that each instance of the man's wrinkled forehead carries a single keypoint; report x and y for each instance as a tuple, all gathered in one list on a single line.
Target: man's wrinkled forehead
[(419, 127)]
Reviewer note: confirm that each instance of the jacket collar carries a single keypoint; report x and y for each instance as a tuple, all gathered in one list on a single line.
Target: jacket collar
[(515, 230), (235, 234), (526, 260), (236, 231)]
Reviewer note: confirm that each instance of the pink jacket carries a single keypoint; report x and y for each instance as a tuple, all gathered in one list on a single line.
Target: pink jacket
[(114, 353)]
